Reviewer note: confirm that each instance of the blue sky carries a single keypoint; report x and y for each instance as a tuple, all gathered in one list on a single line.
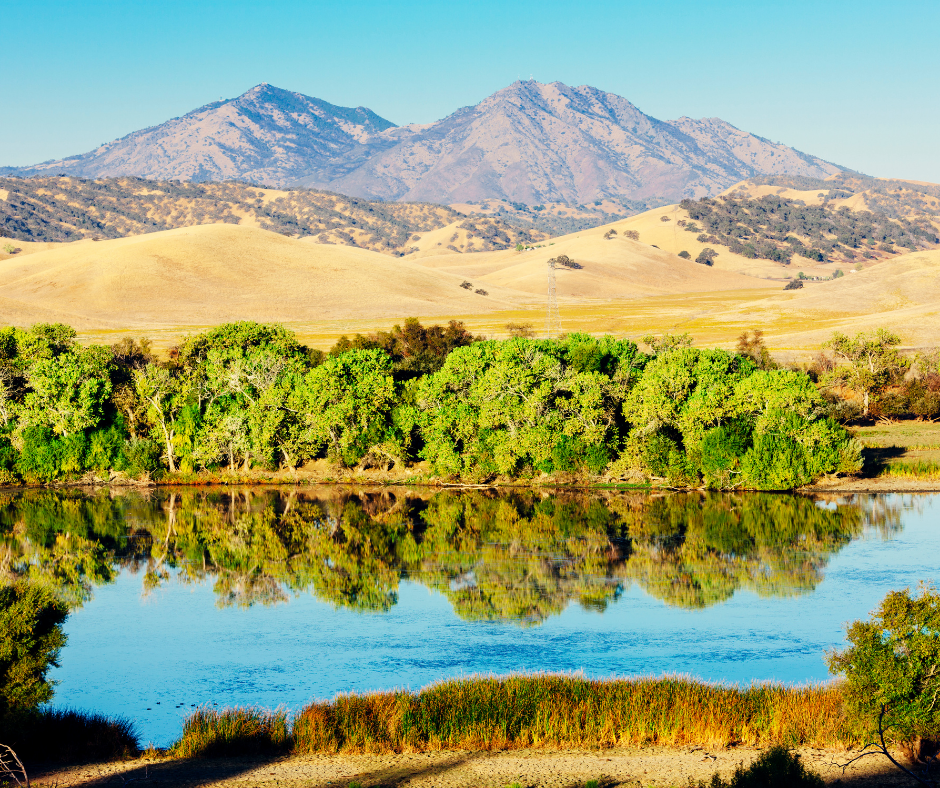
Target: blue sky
[(852, 82)]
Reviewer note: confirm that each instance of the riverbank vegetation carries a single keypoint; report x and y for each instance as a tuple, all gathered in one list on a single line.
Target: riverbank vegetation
[(246, 396), (545, 711)]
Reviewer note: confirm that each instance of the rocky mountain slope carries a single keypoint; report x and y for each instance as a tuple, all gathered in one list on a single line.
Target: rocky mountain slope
[(529, 143), (267, 135)]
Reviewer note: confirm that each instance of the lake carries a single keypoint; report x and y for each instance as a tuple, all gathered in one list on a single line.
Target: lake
[(192, 597)]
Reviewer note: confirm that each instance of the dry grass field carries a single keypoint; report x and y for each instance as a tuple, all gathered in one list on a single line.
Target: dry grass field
[(166, 284)]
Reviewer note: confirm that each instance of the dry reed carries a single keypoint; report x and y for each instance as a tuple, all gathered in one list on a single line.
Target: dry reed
[(571, 711)]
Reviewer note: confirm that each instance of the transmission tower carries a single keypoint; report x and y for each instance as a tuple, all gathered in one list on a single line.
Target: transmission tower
[(552, 318)]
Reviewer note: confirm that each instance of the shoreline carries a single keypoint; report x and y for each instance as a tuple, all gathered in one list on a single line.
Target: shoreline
[(854, 485), (530, 767)]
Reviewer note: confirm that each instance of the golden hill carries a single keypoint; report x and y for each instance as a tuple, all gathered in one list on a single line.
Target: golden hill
[(215, 273), (618, 268)]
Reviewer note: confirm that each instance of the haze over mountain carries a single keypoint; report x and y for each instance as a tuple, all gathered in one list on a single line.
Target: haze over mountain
[(528, 143)]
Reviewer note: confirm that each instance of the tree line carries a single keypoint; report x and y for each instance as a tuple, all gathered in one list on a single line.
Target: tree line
[(247, 396), (776, 228)]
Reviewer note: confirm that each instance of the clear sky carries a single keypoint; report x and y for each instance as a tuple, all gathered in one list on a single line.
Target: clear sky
[(857, 83)]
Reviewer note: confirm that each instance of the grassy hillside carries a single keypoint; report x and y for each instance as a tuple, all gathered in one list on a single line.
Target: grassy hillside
[(213, 273), (68, 209)]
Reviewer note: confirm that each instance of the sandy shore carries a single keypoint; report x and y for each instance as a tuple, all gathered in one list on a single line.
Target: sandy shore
[(648, 766)]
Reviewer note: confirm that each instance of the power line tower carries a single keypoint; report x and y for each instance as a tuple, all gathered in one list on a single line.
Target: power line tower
[(552, 317)]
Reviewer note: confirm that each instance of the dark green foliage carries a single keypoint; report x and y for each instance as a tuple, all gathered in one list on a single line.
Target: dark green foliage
[(772, 227), (685, 255), (67, 736), (46, 457), (706, 256), (774, 768), (793, 284), (31, 636), (414, 349), (139, 457), (722, 449)]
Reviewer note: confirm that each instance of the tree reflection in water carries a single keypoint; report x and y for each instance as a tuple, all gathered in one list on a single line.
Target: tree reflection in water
[(518, 556)]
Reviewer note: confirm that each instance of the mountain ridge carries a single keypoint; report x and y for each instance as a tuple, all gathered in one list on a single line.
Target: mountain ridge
[(529, 142)]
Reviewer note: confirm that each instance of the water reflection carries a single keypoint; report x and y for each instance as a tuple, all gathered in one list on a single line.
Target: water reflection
[(519, 556)]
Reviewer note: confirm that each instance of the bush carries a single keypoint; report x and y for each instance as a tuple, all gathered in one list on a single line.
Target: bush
[(685, 255), (67, 736), (139, 457), (774, 768), (793, 284), (706, 256), (722, 449)]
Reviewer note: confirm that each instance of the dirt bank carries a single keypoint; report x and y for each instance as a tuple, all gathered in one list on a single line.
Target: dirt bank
[(650, 766)]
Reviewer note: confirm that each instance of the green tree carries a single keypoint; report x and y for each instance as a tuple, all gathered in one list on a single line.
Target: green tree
[(870, 362), (892, 667), (166, 396), (345, 405), (68, 393)]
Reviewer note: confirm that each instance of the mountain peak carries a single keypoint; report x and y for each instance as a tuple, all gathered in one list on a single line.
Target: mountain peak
[(529, 142)]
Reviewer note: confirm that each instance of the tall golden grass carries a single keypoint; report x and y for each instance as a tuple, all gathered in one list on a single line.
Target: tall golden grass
[(241, 731), (546, 710), (919, 469), (570, 711)]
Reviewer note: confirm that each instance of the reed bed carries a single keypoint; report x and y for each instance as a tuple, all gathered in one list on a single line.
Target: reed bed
[(240, 731), (571, 711), (919, 469)]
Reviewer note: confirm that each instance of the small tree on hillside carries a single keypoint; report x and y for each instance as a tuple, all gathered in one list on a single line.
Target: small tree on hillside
[(706, 256)]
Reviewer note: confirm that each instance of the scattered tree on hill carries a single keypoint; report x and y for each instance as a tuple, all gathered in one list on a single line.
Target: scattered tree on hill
[(793, 284), (466, 285), (610, 234), (685, 255), (706, 256), (664, 219), (633, 235)]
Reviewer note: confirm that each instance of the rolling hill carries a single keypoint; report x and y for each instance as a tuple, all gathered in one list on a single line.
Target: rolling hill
[(216, 273), (529, 143), (66, 209)]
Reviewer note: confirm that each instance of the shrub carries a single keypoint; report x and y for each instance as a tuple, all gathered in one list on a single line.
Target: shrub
[(774, 768), (721, 451), (793, 284), (68, 736), (685, 255), (139, 457)]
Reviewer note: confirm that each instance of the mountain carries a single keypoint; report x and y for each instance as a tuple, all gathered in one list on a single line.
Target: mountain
[(528, 143), (532, 143), (266, 135)]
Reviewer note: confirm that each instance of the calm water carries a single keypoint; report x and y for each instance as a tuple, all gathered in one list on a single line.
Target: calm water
[(183, 599)]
